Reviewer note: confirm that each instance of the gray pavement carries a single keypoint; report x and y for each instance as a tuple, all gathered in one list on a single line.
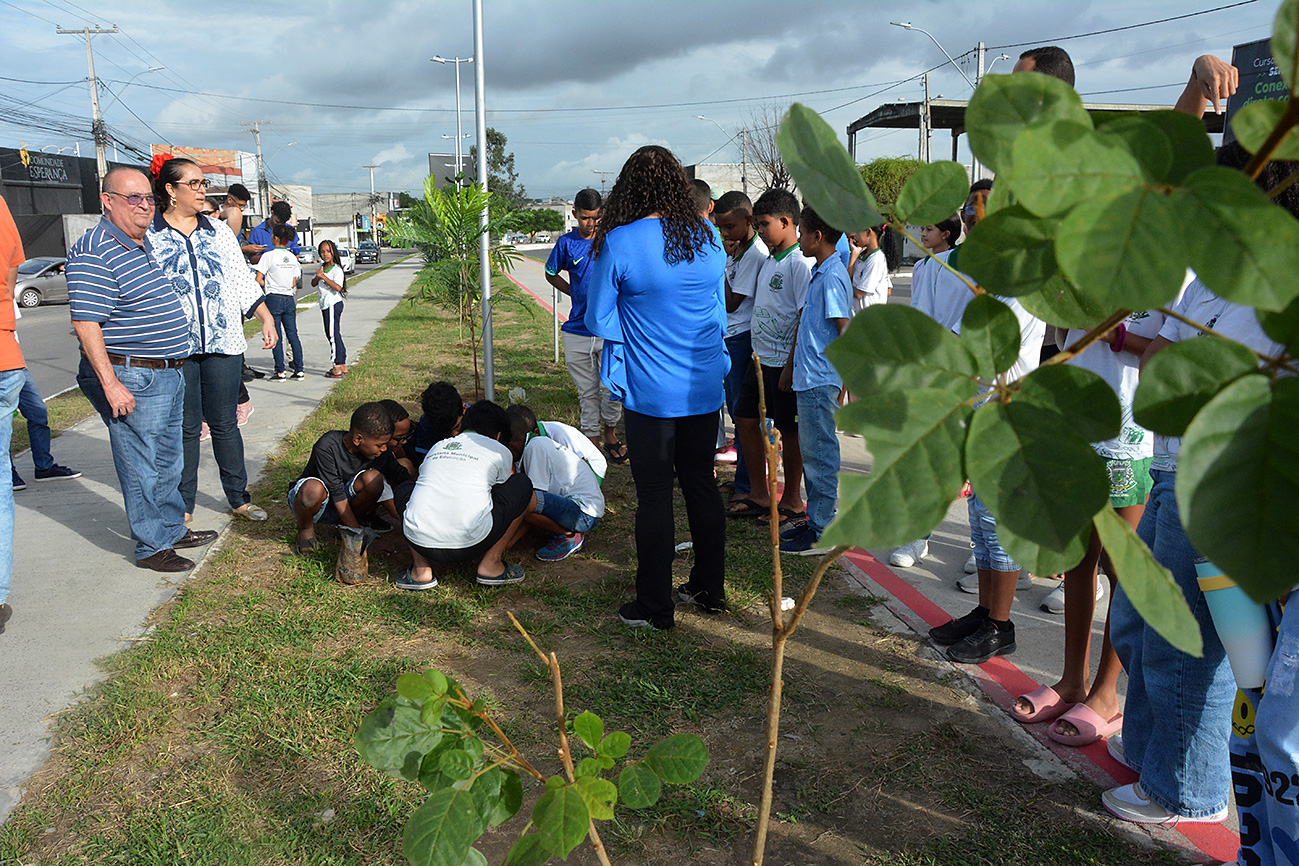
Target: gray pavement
[(77, 595)]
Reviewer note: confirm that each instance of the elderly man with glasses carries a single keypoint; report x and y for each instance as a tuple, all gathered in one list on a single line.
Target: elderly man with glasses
[(134, 339)]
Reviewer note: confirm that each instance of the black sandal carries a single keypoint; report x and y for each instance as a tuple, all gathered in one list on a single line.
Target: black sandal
[(617, 451), (306, 546)]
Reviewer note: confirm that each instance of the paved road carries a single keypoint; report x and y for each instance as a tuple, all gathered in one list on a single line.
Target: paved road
[(50, 348)]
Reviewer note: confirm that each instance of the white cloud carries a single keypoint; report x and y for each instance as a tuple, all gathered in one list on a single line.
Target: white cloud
[(392, 154)]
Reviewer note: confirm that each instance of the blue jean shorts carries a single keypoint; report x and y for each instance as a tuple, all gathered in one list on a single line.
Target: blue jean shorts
[(565, 512), (327, 513), (988, 552)]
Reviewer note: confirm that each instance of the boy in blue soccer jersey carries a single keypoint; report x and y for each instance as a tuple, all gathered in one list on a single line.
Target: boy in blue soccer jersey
[(572, 253)]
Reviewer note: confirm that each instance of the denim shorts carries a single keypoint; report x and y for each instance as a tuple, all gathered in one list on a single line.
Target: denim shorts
[(327, 513), (565, 512), (988, 553)]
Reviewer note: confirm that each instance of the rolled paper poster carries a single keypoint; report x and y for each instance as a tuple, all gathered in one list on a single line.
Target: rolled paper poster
[(1242, 625)]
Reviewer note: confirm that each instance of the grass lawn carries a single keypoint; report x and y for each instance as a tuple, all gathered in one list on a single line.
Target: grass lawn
[(226, 736)]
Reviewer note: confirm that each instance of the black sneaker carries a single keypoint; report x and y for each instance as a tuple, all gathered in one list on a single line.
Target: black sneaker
[(57, 473), (19, 483), (633, 615), (958, 629), (692, 596), (281, 376), (5, 612), (804, 542), (299, 374), (789, 531), (983, 644)]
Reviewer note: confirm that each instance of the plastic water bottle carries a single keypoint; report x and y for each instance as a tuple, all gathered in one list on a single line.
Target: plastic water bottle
[(1242, 625)]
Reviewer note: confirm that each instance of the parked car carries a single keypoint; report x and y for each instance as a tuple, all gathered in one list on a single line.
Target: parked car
[(41, 281), (347, 260), (367, 253), (307, 256), (543, 237)]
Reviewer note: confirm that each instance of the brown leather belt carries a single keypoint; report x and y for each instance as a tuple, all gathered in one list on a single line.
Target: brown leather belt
[(150, 363)]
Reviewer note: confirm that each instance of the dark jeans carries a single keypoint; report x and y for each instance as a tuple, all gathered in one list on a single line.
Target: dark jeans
[(660, 449), (211, 393), (284, 311), (32, 407), (740, 348), (333, 318)]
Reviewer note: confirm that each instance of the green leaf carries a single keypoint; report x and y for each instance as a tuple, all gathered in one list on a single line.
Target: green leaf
[(679, 759), (1039, 478), (1147, 584), (1283, 326), (456, 764), (562, 820), (393, 739), (1192, 147), (891, 347), (590, 728), (1012, 253), (615, 744), (1064, 163), (1255, 121), (824, 172), (990, 331), (437, 680), (1084, 400), (588, 767), (528, 851), (1144, 140), (413, 687), (508, 800), (474, 858), (1181, 379), (638, 786), (431, 713), (1106, 245), (934, 193), (1238, 481), (917, 438), (1006, 105), (1284, 42), (1254, 254), (441, 831), (599, 796), (1036, 559), (554, 783)]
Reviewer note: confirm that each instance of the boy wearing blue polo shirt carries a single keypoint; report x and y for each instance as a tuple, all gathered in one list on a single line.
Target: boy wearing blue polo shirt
[(572, 253), (815, 382)]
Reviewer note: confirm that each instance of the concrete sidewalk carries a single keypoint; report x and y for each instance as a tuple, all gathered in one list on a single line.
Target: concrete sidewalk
[(77, 595)]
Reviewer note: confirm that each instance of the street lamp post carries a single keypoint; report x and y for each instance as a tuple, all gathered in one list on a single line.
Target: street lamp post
[(975, 168), (744, 151), (438, 58), (374, 231)]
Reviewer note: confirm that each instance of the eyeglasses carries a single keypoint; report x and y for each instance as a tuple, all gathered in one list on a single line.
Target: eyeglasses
[(135, 199), (195, 184)]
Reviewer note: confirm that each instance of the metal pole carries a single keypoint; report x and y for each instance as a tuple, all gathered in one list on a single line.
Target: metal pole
[(976, 170), (484, 242), (374, 234), (96, 119), (459, 133), (554, 309), (744, 161), (263, 198)]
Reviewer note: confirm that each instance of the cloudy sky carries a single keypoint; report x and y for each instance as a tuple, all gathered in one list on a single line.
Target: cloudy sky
[(576, 86)]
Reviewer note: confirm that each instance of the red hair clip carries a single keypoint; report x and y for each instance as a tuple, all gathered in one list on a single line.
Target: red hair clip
[(155, 165)]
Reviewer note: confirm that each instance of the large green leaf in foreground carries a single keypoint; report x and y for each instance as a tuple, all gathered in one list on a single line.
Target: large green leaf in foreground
[(1006, 105), (890, 347), (1180, 380), (826, 175), (440, 832), (932, 194)]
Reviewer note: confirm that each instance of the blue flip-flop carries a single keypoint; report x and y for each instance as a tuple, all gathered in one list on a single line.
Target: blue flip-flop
[(404, 581)]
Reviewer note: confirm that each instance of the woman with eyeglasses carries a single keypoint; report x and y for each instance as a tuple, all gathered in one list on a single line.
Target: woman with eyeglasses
[(217, 291)]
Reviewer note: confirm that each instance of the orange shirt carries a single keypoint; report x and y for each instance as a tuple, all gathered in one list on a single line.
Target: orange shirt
[(11, 256)]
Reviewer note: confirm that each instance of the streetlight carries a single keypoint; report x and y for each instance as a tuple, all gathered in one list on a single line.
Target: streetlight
[(744, 150), (994, 62), (281, 147), (438, 58), (907, 25), (374, 233)]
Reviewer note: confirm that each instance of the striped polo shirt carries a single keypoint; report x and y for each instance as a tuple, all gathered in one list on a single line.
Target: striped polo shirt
[(113, 281)]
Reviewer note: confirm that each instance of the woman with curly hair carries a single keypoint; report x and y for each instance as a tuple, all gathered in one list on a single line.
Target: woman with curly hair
[(217, 290), (655, 297)]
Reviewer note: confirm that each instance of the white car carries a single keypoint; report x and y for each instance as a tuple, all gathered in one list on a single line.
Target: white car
[(347, 260)]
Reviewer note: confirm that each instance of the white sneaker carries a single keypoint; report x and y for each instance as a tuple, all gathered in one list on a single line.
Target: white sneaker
[(970, 566), (910, 554), (970, 583), (1054, 601)]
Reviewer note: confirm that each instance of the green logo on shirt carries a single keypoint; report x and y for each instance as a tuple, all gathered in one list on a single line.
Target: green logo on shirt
[(451, 446), (777, 283)]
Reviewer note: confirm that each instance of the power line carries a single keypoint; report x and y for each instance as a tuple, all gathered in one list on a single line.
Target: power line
[(29, 81), (1126, 27), (29, 12)]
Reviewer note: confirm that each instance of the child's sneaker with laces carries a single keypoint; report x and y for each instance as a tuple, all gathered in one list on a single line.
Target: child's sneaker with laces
[(560, 547)]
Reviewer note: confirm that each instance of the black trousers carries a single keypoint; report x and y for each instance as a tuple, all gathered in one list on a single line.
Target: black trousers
[(661, 448)]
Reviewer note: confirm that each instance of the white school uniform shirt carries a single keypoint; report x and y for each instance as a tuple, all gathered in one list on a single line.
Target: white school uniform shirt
[(870, 274), (451, 505), (742, 273), (781, 293), (576, 441), (281, 270), (554, 469), (937, 293), (329, 297)]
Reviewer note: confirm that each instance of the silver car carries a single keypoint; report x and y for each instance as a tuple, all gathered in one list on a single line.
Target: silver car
[(41, 281), (347, 260)]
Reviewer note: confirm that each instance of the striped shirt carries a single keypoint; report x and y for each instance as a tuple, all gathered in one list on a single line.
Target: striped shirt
[(112, 280)]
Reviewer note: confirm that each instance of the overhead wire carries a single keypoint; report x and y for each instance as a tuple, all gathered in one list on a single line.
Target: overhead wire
[(1055, 39)]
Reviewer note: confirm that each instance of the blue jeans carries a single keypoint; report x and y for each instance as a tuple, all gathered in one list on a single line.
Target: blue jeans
[(284, 310), (565, 512), (816, 408), (1265, 755), (989, 555), (1177, 715), (146, 451), (33, 410), (211, 394), (11, 384), (740, 348)]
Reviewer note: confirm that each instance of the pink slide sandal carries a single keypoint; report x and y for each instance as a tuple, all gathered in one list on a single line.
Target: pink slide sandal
[(1046, 704), (1091, 727)]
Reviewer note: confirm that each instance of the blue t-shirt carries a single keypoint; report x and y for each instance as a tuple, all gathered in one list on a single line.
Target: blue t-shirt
[(845, 252), (572, 253), (829, 296), (667, 322), (261, 234)]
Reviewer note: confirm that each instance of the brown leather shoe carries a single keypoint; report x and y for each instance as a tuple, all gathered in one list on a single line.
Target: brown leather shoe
[(165, 560), (5, 612), (195, 538)]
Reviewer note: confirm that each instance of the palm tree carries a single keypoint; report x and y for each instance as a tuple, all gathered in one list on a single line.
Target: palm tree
[(445, 226)]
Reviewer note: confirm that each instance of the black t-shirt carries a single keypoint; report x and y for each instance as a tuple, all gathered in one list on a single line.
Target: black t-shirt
[(333, 464)]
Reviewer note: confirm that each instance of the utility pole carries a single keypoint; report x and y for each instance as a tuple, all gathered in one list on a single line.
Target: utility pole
[(924, 124), (976, 170), (263, 198), (744, 161), (374, 233), (96, 120), (603, 175), (484, 241)]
